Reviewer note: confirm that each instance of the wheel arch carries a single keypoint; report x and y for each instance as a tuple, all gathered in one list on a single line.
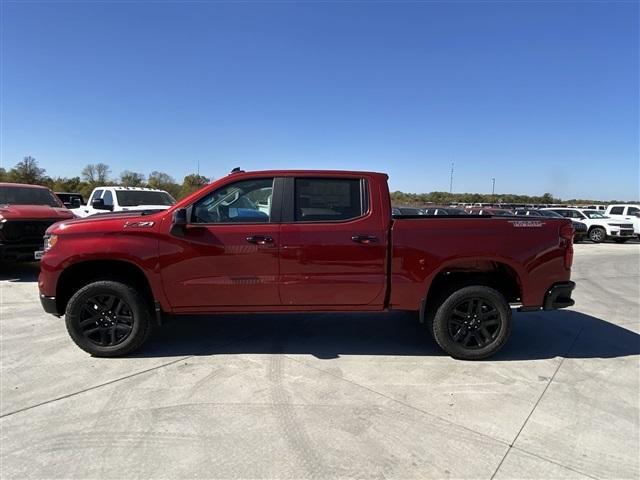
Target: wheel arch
[(495, 274), (82, 273)]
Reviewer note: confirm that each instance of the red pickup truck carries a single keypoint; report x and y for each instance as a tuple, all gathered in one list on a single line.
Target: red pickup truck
[(302, 241), (26, 211)]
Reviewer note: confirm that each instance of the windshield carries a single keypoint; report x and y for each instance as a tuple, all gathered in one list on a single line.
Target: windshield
[(593, 214), (133, 198), (28, 196)]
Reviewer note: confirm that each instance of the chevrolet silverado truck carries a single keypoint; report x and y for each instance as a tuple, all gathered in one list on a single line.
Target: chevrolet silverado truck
[(26, 211), (302, 241)]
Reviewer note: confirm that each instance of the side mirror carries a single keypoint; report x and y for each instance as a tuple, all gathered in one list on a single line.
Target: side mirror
[(75, 203), (180, 221), (98, 204)]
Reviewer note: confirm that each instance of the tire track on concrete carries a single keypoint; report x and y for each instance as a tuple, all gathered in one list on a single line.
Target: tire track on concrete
[(292, 429)]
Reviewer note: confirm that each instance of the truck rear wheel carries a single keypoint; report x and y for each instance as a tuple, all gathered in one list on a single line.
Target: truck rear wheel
[(472, 323), (108, 319)]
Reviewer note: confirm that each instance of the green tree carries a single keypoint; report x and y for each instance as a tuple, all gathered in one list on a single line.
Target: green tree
[(192, 183), (132, 179), (164, 181), (3, 175), (27, 171)]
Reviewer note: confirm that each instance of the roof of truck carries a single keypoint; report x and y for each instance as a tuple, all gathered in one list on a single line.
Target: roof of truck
[(290, 173), (25, 185)]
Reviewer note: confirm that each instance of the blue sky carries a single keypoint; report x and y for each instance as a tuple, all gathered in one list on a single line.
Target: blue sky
[(543, 96)]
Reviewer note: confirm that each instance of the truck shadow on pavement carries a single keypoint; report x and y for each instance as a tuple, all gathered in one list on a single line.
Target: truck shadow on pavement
[(19, 272), (538, 335)]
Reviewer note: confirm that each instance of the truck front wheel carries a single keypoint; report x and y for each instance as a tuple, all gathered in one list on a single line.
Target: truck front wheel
[(472, 323), (108, 319)]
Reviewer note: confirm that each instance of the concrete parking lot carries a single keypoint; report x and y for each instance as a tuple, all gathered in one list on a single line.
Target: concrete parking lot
[(328, 396)]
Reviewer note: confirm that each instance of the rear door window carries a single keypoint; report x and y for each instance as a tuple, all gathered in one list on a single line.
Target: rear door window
[(617, 210), (329, 199)]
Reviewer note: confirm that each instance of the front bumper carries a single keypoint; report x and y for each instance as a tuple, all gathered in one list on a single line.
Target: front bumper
[(559, 296), (49, 305), (627, 233), (19, 251)]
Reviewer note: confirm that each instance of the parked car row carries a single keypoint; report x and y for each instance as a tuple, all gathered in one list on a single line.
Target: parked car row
[(619, 223)]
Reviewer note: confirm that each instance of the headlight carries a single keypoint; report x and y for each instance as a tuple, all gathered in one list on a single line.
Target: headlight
[(49, 242)]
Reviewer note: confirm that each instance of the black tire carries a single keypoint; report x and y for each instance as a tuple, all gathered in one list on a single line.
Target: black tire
[(620, 240), (458, 330), (597, 234), (108, 319)]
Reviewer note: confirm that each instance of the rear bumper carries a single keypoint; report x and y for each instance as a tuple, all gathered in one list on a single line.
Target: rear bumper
[(49, 305), (559, 296)]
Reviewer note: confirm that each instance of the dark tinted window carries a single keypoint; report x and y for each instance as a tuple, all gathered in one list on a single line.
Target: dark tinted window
[(133, 198), (633, 211), (247, 201), (617, 210), (28, 196), (96, 195), (327, 199)]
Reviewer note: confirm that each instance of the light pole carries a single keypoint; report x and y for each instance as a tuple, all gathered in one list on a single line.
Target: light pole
[(451, 179), (493, 186)]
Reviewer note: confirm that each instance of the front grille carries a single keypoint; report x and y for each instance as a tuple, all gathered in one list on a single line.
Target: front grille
[(622, 225), (13, 231)]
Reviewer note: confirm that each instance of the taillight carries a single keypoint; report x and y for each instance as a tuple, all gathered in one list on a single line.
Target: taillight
[(566, 236), (567, 232)]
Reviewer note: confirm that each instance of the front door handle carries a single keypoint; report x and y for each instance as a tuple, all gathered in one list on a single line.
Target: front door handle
[(259, 239), (364, 239)]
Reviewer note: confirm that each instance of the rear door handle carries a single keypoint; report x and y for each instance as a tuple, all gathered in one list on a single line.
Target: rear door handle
[(364, 239), (259, 239)]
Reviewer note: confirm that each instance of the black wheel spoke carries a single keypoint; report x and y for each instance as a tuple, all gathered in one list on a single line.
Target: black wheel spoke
[(459, 333), (485, 333), (91, 331)]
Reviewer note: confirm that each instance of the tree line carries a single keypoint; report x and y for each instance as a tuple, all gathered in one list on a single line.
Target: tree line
[(99, 174)]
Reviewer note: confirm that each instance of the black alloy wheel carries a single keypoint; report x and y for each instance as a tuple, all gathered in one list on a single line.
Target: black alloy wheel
[(474, 323), (108, 318)]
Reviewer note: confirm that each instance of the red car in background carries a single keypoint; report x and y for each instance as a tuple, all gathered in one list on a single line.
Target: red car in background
[(26, 211)]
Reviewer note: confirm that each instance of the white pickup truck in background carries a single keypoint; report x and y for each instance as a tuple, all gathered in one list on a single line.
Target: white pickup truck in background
[(630, 213), (122, 199)]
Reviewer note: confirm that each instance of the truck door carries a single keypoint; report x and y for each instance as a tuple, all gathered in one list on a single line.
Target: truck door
[(227, 256), (332, 243)]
